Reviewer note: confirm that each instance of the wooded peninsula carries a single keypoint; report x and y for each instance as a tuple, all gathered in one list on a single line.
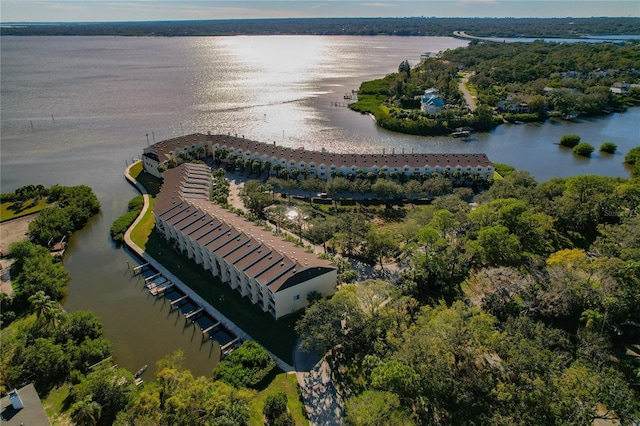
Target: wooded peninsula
[(515, 82)]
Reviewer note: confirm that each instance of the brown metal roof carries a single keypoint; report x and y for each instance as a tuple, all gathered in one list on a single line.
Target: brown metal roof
[(268, 259), (278, 153)]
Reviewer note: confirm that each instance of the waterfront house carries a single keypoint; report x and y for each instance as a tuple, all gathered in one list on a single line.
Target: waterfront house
[(513, 105), (431, 102), (622, 88), (270, 271), (321, 164)]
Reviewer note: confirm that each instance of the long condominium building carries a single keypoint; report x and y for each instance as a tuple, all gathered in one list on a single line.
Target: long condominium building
[(321, 164), (273, 273)]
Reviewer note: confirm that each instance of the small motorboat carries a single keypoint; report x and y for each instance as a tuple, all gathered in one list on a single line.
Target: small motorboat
[(142, 370)]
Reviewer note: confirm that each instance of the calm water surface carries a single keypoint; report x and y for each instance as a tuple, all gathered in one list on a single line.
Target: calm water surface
[(107, 93)]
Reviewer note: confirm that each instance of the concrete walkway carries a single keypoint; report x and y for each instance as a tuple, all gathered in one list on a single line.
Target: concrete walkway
[(227, 323), (323, 403)]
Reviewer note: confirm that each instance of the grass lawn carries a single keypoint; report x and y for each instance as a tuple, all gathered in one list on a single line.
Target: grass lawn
[(57, 405), (151, 183), (140, 234), (287, 383), (13, 210)]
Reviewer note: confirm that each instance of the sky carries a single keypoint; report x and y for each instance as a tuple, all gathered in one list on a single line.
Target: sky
[(162, 10)]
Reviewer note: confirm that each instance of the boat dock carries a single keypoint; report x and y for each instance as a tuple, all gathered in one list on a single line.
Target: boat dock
[(223, 333), (160, 286), (228, 348), (137, 270)]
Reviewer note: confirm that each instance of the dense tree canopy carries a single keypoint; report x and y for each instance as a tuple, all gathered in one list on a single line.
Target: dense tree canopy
[(512, 312), (72, 208)]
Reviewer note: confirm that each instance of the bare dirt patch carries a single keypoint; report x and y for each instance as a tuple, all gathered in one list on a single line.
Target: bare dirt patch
[(13, 231)]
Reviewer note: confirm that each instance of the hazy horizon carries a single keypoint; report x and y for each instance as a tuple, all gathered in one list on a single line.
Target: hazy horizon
[(83, 11)]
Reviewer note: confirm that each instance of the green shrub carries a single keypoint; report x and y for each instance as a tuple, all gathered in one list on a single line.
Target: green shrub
[(504, 170), (121, 224), (570, 141), (245, 367), (136, 203), (274, 406), (633, 156), (583, 149), (608, 147), (526, 118), (284, 419)]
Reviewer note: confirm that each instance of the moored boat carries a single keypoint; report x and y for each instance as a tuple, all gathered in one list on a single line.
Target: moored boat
[(142, 370), (461, 134)]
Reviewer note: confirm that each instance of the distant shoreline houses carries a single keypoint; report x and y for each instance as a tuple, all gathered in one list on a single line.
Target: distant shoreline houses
[(270, 271), (324, 165)]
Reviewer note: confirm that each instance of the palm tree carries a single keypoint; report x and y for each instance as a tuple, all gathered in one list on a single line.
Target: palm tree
[(45, 308), (266, 167), (305, 172), (278, 214), (456, 176), (41, 303), (200, 152), (466, 178), (256, 166), (86, 412)]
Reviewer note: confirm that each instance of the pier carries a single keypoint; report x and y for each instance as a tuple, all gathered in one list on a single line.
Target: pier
[(228, 345), (158, 290), (137, 270), (178, 300), (193, 313), (210, 328), (147, 279)]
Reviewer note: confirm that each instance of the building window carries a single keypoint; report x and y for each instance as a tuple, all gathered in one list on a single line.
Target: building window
[(296, 297)]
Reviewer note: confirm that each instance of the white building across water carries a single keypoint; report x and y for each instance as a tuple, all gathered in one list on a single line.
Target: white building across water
[(273, 273)]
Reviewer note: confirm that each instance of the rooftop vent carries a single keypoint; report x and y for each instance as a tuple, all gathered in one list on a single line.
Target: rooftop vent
[(15, 399)]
